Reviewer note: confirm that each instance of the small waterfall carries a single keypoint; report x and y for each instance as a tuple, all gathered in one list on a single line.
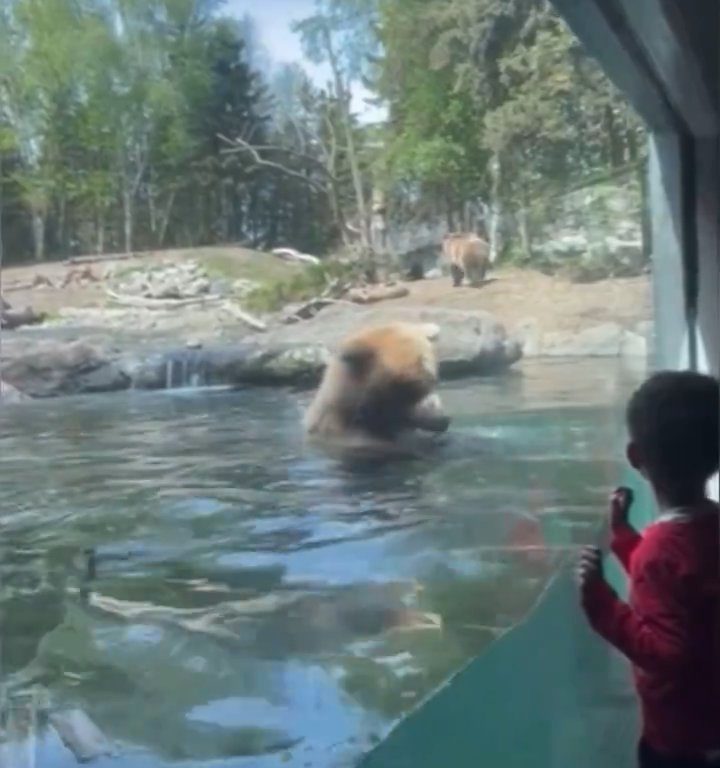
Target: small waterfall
[(169, 366), (185, 370)]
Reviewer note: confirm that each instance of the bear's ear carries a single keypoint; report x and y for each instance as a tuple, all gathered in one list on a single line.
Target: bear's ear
[(358, 360)]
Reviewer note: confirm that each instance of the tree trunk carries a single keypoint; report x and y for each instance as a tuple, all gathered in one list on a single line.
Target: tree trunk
[(356, 175), (224, 213), (493, 226), (469, 217), (100, 231), (337, 213), (331, 187), (62, 218), (632, 145), (343, 96), (614, 144), (645, 221), (127, 218), (449, 214), (165, 220), (152, 210), (238, 216), (524, 229), (38, 231)]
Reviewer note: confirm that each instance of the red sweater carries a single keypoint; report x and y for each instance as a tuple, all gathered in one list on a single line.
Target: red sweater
[(669, 630)]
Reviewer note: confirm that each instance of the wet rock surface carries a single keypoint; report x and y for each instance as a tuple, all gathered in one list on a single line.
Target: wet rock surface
[(470, 344), (66, 369)]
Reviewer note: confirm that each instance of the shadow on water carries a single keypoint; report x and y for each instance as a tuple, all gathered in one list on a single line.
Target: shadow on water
[(251, 600)]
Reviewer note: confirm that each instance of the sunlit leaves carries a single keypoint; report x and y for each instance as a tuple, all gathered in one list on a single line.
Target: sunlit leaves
[(471, 80)]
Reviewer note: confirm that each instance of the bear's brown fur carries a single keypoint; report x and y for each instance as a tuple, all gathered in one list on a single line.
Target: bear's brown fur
[(380, 384), (468, 256)]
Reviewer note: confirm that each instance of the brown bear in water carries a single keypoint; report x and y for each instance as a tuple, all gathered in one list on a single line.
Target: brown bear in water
[(378, 386)]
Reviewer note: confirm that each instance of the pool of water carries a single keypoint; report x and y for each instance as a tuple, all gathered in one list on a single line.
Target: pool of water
[(181, 567)]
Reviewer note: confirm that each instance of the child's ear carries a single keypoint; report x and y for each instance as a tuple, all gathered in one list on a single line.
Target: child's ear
[(633, 456)]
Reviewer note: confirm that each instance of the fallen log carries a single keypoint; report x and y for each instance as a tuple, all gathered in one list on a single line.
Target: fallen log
[(310, 308), (244, 317), (290, 254), (27, 285), (140, 302), (98, 258), (373, 294)]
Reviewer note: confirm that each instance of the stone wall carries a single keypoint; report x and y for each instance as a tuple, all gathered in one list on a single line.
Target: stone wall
[(594, 232)]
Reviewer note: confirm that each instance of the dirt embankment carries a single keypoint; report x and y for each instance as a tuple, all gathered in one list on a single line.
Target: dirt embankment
[(519, 299), (515, 296), (176, 318)]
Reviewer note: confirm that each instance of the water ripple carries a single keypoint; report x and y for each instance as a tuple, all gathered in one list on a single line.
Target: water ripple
[(247, 594)]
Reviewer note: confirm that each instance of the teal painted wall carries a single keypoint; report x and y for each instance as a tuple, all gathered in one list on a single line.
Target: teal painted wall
[(548, 694)]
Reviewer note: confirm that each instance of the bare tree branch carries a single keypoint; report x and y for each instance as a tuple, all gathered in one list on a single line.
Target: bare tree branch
[(238, 145)]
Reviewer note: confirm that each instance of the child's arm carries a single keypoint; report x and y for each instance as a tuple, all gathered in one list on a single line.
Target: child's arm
[(624, 537), (624, 542), (658, 638)]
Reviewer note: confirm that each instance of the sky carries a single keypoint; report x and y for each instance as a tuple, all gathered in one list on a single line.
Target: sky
[(273, 19)]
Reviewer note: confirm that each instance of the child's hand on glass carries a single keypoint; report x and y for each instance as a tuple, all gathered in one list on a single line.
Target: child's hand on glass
[(620, 502), (589, 569)]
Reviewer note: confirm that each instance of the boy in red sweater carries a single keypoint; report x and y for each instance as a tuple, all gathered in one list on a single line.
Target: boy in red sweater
[(670, 630)]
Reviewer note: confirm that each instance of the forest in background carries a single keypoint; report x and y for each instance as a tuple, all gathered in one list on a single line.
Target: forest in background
[(128, 125)]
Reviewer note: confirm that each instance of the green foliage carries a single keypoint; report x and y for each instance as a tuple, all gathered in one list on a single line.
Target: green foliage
[(115, 118), (112, 116), (477, 84), (302, 286), (432, 139), (351, 24)]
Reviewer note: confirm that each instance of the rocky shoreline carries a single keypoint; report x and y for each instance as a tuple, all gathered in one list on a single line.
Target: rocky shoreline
[(168, 322), (470, 344), (47, 362)]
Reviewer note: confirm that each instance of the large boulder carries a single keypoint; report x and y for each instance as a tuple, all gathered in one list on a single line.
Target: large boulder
[(15, 318), (470, 342), (65, 369), (230, 365)]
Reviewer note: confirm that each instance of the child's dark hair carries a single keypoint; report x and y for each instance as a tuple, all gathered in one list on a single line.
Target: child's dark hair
[(673, 420)]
